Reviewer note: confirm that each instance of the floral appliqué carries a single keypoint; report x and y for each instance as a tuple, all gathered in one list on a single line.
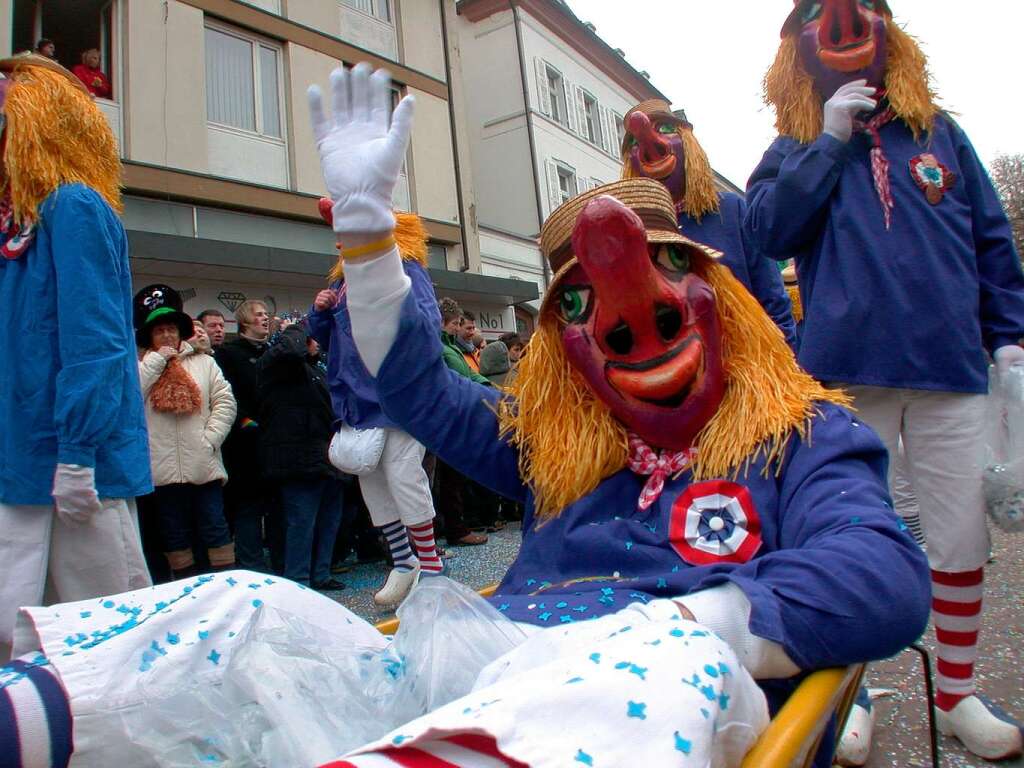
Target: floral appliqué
[(934, 179)]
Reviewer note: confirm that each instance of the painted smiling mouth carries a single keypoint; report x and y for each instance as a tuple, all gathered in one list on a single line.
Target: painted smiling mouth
[(850, 57), (664, 381), (659, 169)]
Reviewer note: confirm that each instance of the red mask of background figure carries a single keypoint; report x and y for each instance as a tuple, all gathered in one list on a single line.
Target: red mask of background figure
[(657, 153), (640, 328), (842, 41)]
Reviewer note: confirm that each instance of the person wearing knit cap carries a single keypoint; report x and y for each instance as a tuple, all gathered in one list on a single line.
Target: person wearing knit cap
[(659, 144), (73, 453), (909, 281)]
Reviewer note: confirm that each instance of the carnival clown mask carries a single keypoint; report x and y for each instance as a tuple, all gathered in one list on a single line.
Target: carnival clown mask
[(654, 147), (840, 41), (638, 323)]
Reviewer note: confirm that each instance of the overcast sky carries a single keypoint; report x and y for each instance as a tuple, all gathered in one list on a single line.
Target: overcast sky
[(708, 56)]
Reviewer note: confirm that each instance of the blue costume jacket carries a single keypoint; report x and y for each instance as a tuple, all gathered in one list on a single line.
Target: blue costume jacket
[(353, 389), (69, 376), (724, 232), (827, 566), (914, 306)]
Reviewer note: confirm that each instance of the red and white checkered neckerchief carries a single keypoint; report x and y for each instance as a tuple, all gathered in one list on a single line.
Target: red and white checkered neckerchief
[(879, 162), (644, 461), (18, 235)]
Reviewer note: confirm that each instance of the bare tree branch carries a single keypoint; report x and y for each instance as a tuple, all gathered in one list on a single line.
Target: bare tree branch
[(1008, 177)]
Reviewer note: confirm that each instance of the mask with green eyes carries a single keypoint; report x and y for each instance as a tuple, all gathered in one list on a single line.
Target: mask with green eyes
[(654, 149)]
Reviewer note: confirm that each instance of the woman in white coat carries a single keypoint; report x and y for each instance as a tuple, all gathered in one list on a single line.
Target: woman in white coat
[(189, 412)]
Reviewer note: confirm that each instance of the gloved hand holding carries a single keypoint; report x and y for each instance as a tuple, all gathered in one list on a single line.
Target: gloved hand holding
[(359, 154), (1008, 356), (74, 493), (844, 105)]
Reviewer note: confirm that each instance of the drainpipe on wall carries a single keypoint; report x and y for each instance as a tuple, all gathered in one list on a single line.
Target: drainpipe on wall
[(455, 141), (528, 115)]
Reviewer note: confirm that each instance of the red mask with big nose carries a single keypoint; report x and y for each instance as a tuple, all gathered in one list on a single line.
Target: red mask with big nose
[(641, 328), (841, 41), (657, 153)]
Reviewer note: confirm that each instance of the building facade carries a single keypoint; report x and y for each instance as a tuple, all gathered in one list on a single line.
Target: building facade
[(220, 170)]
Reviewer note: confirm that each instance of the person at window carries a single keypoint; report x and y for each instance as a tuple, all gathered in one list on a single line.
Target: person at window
[(189, 412), (46, 47), (213, 322), (248, 498), (297, 423), (91, 75)]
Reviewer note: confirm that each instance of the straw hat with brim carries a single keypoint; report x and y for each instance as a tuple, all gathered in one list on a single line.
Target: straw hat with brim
[(648, 198), (160, 316), (795, 19), (12, 63), (653, 108)]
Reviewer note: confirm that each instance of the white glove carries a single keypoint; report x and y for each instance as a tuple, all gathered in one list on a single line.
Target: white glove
[(359, 155), (74, 493), (1008, 356), (847, 101)]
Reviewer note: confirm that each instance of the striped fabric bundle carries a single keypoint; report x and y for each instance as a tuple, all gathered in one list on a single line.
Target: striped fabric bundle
[(463, 750), (35, 718)]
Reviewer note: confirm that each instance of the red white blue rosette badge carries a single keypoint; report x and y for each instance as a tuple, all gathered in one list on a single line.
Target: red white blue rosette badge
[(715, 522), (934, 179)]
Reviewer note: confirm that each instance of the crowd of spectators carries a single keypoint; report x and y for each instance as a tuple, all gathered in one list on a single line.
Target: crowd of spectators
[(239, 431), (89, 68)]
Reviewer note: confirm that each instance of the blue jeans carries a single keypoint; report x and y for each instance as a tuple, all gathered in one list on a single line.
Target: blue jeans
[(184, 507), (312, 514)]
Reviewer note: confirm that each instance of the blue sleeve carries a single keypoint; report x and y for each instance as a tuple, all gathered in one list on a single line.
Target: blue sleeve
[(1000, 281), (90, 260), (788, 194), (320, 325), (847, 584), (423, 292), (766, 281), (452, 416)]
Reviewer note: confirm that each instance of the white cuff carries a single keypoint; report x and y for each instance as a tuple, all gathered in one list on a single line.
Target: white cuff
[(376, 289), (725, 610)]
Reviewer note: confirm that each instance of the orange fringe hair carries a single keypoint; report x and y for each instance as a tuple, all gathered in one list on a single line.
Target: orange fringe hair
[(790, 90), (569, 441), (701, 196), (56, 135), (410, 236), (794, 298)]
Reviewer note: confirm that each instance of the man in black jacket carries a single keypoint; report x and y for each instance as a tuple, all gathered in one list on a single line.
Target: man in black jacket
[(296, 425), (248, 498)]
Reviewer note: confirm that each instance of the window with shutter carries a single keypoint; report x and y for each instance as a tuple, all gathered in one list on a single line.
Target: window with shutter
[(572, 117), (554, 193), (543, 90), (581, 112)]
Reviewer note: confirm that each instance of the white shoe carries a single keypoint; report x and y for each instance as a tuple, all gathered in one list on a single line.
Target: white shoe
[(397, 587), (981, 730), (855, 742)]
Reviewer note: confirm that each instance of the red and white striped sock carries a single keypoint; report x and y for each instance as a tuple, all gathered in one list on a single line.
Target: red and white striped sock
[(464, 750), (426, 547), (956, 611)]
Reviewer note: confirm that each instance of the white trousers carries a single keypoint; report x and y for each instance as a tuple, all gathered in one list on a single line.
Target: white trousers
[(42, 556), (398, 489), (942, 435)]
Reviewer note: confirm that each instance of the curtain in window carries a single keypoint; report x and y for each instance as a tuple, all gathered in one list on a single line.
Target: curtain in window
[(268, 92), (366, 6), (229, 81)]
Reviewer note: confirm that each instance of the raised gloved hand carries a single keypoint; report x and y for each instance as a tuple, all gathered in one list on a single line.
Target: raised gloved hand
[(74, 493), (844, 105), (359, 154), (1008, 356)]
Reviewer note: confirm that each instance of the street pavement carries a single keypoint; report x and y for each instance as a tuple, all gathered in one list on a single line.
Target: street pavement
[(901, 730)]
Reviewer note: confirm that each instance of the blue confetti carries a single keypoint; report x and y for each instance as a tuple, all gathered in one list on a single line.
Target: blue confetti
[(622, 665), (187, 590), (203, 634), (503, 607), (606, 599), (85, 614), (629, 545), (662, 584), (108, 603), (544, 616), (596, 658), (580, 609), (399, 739), (636, 709), (723, 668), (159, 606), (705, 713), (675, 569), (855, 520), (676, 632), (173, 639), (682, 745), (542, 606), (710, 670), (709, 692), (257, 603), (607, 591), (583, 757), (214, 656), (561, 604), (698, 633), (156, 647), (544, 584), (652, 528), (574, 680), (231, 581), (530, 582), (148, 655), (638, 671), (268, 581), (565, 619), (255, 586), (723, 701), (654, 642)]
